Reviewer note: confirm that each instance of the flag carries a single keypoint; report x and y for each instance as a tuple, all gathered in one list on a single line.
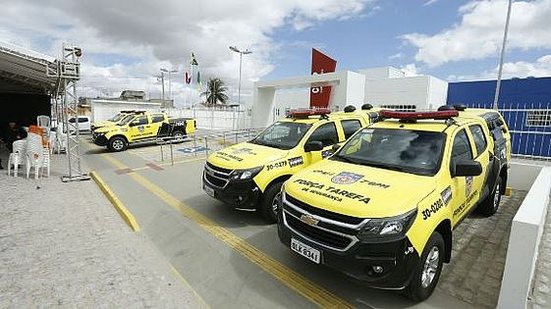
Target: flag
[(187, 78), (193, 60), (198, 77)]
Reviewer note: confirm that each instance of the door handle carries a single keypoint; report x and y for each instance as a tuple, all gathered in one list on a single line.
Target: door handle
[(147, 127)]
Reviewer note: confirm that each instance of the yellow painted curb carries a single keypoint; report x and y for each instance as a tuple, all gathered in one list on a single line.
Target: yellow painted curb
[(119, 206), (508, 191)]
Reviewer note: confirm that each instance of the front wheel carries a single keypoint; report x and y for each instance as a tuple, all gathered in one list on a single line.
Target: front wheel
[(178, 135), (117, 143), (428, 271), (270, 202)]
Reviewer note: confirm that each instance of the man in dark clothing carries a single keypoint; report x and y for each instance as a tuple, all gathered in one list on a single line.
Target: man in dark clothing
[(13, 134)]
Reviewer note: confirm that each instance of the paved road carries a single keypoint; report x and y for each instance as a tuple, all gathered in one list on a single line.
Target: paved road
[(231, 258)]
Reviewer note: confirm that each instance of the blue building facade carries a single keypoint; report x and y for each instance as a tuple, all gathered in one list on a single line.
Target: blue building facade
[(524, 103)]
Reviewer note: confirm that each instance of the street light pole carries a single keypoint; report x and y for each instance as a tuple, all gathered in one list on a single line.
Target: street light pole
[(241, 53), (500, 69), (169, 82)]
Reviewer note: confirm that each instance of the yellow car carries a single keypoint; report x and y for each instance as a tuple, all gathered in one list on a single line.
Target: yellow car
[(141, 128), (382, 209), (249, 175)]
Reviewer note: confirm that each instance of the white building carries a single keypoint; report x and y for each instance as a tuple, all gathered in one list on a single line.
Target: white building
[(382, 87)]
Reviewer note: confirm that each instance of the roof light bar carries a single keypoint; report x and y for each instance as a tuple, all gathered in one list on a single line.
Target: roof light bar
[(305, 113), (419, 115)]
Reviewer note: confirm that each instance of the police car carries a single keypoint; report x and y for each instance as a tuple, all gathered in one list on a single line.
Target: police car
[(382, 209), (249, 175)]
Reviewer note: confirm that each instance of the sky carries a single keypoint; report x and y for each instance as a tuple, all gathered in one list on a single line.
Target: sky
[(126, 42)]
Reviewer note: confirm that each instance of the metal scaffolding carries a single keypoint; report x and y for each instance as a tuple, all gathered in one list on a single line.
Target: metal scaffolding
[(65, 100)]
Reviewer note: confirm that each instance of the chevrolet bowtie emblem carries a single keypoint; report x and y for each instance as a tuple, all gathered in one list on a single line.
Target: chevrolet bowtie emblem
[(308, 219)]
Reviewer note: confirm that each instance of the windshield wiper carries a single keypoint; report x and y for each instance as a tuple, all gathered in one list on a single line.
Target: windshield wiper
[(344, 159), (385, 166)]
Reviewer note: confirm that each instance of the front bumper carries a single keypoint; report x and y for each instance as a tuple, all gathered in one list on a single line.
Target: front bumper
[(99, 140), (357, 259), (239, 194)]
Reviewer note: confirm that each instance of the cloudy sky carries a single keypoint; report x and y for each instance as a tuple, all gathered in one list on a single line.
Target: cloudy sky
[(125, 42)]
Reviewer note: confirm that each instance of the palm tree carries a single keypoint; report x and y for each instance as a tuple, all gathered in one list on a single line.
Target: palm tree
[(216, 92)]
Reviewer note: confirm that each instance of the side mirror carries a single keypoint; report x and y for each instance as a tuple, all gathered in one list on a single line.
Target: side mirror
[(133, 124), (313, 146), (466, 168), (335, 147)]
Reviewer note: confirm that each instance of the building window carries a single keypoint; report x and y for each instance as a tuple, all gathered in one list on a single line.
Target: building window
[(538, 118), (400, 108)]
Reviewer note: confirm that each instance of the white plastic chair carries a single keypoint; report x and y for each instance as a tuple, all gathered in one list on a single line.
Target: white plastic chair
[(44, 122), (17, 156), (35, 154)]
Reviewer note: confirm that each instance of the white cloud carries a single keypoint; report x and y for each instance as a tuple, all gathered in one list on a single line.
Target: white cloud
[(165, 33), (480, 32), (540, 68), (396, 56), (410, 69), (430, 2)]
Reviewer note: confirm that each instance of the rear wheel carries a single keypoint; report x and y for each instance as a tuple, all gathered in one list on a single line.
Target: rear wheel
[(179, 135), (428, 271), (270, 203), (491, 203), (117, 143)]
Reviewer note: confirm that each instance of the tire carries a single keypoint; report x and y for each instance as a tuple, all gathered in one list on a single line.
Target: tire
[(269, 206), (428, 271), (490, 205), (179, 135), (117, 143)]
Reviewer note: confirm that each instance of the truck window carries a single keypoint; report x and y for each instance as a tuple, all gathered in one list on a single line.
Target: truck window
[(326, 134), (157, 118), (282, 135), (350, 127), (140, 121), (479, 138), (461, 149)]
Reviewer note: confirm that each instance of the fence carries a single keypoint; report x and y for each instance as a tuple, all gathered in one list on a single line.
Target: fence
[(530, 127)]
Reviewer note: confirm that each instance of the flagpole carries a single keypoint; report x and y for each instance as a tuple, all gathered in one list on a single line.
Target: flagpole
[(500, 69)]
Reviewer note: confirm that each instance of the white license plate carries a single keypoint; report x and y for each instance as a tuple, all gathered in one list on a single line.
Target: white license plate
[(208, 190), (306, 251)]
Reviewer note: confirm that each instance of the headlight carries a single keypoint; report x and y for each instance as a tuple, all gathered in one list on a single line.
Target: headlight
[(245, 174), (376, 229)]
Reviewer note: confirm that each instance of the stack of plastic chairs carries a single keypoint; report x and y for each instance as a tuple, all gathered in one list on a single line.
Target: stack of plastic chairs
[(35, 154), (17, 156), (45, 123)]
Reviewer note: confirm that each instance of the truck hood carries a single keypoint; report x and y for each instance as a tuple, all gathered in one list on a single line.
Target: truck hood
[(107, 129), (103, 123), (246, 155), (357, 190)]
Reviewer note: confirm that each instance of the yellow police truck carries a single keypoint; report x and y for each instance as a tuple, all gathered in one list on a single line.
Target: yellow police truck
[(249, 175), (141, 128), (382, 209)]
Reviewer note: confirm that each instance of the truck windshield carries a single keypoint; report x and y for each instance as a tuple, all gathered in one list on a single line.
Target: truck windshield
[(117, 117), (416, 152), (282, 135), (126, 120)]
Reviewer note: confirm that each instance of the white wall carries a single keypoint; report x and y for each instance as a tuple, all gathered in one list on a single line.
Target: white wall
[(105, 109), (437, 93), (524, 242), (398, 91), (215, 119)]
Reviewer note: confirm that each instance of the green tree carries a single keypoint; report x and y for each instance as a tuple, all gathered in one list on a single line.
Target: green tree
[(216, 92)]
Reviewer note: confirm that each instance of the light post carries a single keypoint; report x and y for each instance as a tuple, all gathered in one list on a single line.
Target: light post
[(241, 53), (169, 82), (502, 56)]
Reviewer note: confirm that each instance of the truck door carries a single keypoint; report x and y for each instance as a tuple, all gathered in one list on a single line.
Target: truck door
[(461, 187), (482, 156), (156, 122), (138, 128), (327, 135)]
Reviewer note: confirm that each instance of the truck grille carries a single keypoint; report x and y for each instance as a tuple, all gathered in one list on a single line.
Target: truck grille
[(329, 229), (320, 236), (217, 176)]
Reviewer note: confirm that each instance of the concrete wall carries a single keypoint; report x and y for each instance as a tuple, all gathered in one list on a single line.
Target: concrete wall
[(524, 240), (105, 109), (398, 91)]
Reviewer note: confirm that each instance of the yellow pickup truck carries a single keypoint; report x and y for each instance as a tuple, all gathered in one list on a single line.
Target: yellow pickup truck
[(141, 128)]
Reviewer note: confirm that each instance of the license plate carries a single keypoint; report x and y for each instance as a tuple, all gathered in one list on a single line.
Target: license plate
[(208, 190), (306, 251)]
